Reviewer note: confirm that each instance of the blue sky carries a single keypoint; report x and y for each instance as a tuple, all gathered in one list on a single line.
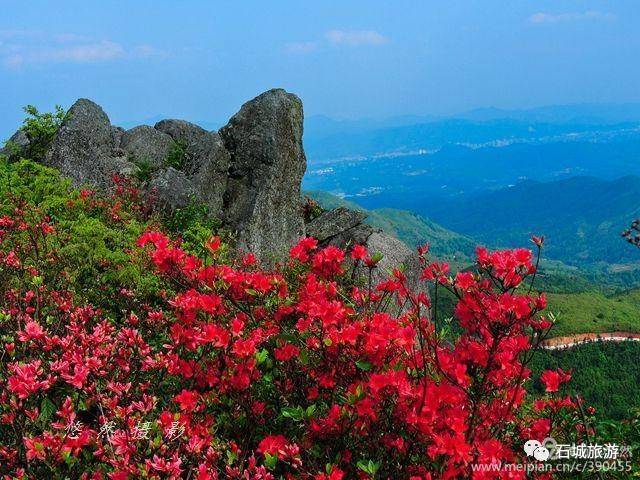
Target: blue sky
[(347, 59)]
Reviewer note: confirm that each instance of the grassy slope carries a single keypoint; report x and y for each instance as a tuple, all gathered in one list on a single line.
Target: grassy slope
[(581, 312), (594, 312)]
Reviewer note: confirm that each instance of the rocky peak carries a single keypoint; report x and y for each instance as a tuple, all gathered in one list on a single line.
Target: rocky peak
[(262, 200), (249, 173), (181, 131), (84, 148)]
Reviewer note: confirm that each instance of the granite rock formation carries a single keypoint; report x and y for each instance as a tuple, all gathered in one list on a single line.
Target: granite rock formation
[(248, 174)]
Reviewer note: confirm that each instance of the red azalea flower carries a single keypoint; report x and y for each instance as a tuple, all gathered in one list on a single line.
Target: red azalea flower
[(553, 379)]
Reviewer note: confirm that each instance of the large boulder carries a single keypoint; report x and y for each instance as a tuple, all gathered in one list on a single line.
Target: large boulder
[(263, 201), (334, 222), (341, 227), (146, 144), (172, 189), (182, 132), (344, 228), (396, 254), (84, 147), (207, 164)]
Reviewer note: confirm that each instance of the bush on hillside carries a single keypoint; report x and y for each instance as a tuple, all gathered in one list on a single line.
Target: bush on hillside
[(41, 128)]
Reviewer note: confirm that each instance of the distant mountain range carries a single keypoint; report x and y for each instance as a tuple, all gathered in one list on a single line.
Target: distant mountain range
[(588, 113), (327, 139), (414, 180), (570, 172), (582, 217)]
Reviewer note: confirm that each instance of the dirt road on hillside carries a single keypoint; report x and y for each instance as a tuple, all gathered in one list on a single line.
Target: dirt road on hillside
[(561, 343)]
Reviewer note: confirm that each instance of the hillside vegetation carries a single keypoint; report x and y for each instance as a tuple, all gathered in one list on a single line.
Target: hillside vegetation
[(409, 227), (588, 312), (94, 236), (607, 375), (582, 218)]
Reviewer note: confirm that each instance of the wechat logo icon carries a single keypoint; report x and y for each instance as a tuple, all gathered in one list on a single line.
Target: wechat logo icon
[(537, 450)]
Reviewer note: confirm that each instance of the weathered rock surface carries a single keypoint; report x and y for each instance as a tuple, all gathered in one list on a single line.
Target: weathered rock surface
[(207, 164), (344, 228), (173, 189), (263, 201), (394, 254), (116, 135), (16, 145), (334, 223), (146, 144), (181, 131), (84, 148)]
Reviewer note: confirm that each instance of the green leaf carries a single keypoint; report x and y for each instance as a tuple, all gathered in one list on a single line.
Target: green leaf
[(369, 467), (311, 409), (231, 457), (295, 413), (47, 409), (262, 355), (304, 357), (69, 459), (270, 460), (363, 365), (376, 257)]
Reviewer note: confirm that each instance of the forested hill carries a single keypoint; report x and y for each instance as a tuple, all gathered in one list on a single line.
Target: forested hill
[(582, 217)]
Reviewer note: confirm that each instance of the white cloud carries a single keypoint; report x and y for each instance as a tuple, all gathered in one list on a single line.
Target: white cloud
[(70, 37), (148, 51), (21, 48), (89, 52), (542, 17), (301, 47), (15, 33), (339, 38), (355, 38), (19, 56)]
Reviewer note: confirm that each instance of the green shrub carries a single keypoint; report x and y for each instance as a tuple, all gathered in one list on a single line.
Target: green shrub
[(145, 169), (177, 156), (94, 235), (41, 128)]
